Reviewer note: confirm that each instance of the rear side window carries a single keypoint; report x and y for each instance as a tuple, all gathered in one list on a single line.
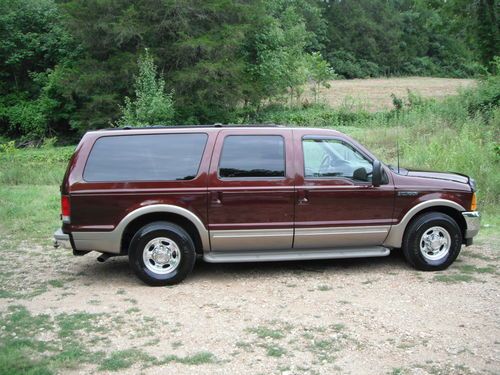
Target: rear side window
[(159, 157), (252, 156)]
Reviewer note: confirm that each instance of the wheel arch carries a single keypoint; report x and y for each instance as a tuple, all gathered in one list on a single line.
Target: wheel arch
[(454, 210), (178, 215)]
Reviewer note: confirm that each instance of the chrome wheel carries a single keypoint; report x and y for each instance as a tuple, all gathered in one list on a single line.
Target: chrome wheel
[(161, 255), (435, 243)]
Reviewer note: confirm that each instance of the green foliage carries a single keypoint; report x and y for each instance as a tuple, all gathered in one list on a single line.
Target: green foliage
[(66, 66), (152, 106), (371, 38), (488, 30), (320, 72)]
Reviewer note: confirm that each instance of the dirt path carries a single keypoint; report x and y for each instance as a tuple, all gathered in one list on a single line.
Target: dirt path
[(375, 94), (369, 316)]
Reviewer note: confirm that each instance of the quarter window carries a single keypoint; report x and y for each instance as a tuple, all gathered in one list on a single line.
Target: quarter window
[(249, 156), (160, 157), (334, 158)]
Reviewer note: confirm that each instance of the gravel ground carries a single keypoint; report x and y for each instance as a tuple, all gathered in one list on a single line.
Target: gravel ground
[(365, 316)]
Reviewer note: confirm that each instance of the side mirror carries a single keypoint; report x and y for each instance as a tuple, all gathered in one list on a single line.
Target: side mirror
[(377, 173)]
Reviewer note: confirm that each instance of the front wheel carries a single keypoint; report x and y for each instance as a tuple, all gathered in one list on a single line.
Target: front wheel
[(162, 253), (432, 242)]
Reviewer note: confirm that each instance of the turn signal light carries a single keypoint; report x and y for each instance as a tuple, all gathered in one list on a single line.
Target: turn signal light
[(65, 209), (473, 204)]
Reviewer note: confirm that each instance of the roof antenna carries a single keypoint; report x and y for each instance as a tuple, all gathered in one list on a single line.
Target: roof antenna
[(397, 144)]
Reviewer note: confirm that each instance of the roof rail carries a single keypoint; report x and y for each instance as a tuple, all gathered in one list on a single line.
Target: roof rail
[(216, 125)]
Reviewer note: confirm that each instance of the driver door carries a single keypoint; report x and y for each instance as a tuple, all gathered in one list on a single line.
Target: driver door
[(337, 205)]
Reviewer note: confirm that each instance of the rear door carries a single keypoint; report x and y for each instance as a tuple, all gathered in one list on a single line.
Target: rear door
[(251, 190)]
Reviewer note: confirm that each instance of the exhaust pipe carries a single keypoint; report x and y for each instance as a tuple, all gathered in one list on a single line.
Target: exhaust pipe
[(103, 257)]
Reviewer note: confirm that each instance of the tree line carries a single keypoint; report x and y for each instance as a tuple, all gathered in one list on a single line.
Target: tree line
[(72, 65)]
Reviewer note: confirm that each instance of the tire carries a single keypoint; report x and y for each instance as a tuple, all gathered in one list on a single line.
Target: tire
[(162, 253), (432, 241)]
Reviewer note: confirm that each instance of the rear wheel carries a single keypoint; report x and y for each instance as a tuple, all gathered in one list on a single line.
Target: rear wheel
[(162, 253), (432, 241)]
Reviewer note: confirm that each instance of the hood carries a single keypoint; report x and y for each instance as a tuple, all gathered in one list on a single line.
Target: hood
[(440, 176)]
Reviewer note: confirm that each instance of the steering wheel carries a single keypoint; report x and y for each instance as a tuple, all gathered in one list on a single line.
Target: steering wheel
[(325, 162)]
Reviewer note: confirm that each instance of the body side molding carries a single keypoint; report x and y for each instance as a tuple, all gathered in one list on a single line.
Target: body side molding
[(395, 237), (110, 242)]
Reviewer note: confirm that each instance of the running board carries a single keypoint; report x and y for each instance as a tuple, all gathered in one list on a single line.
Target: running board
[(299, 254)]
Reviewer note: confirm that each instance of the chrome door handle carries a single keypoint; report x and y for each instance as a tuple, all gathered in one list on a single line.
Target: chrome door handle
[(303, 197), (216, 197)]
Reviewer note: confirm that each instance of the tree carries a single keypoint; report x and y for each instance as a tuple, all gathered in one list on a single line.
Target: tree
[(320, 72), (279, 61), (152, 106), (488, 31)]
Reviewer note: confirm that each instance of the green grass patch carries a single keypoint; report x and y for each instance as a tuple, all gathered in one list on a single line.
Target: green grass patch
[(470, 269), (275, 351), (454, 278), (29, 212), (195, 359), (123, 359), (34, 166), (22, 351), (265, 332)]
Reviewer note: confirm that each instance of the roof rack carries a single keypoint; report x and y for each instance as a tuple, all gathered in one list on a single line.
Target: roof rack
[(217, 125)]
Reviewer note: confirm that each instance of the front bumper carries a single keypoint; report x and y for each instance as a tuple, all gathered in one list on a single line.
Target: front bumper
[(61, 240), (473, 223)]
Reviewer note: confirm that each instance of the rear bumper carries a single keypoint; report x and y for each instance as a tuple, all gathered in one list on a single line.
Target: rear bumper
[(61, 240), (473, 223)]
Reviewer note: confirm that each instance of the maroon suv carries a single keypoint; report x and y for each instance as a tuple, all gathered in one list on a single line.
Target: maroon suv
[(165, 196)]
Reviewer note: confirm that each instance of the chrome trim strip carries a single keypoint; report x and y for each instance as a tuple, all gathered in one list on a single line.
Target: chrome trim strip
[(341, 230), (473, 221), (329, 237), (309, 254), (396, 233), (110, 242), (251, 239)]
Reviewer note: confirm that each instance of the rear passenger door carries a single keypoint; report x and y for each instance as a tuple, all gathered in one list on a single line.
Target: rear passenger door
[(251, 190)]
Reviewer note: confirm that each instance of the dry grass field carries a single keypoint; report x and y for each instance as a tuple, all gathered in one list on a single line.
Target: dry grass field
[(375, 94)]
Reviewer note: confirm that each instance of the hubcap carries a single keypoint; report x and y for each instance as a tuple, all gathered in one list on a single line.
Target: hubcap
[(435, 243), (161, 255)]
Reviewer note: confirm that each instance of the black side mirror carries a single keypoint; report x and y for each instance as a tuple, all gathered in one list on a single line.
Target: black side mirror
[(377, 173)]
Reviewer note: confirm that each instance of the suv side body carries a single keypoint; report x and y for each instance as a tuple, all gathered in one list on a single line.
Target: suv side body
[(258, 194)]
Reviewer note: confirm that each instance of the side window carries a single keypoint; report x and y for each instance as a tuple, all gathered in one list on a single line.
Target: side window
[(252, 156), (159, 157), (334, 158)]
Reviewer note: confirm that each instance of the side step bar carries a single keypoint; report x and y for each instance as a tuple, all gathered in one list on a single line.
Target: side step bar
[(298, 254)]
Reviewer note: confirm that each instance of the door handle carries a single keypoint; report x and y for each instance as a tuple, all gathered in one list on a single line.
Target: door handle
[(216, 198), (303, 197)]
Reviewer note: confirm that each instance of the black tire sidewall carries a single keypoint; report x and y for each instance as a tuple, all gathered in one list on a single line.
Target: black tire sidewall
[(162, 229), (418, 228)]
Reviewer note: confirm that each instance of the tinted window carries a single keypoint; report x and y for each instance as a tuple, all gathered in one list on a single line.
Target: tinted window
[(252, 156), (334, 158), (162, 157)]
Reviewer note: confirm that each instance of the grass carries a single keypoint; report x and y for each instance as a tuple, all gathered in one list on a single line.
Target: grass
[(266, 332), (275, 351), (454, 278), (123, 359), (22, 351)]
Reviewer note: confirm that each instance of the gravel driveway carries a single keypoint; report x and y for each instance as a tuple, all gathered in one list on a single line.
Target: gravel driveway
[(366, 316)]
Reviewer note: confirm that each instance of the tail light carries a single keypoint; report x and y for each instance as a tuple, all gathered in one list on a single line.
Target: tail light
[(65, 209), (473, 203)]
